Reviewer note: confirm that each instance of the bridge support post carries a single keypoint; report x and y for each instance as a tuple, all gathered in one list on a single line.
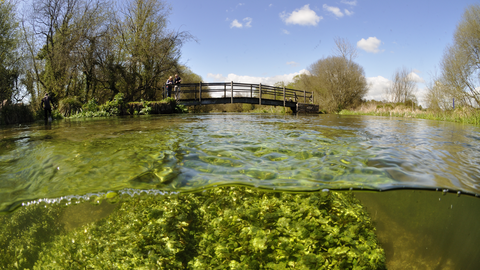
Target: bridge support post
[(225, 90), (284, 97), (304, 96), (260, 94), (231, 96), (200, 92)]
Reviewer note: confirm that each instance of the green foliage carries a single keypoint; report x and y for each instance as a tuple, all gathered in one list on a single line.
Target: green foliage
[(145, 110), (115, 106), (15, 113), (90, 106), (181, 109), (91, 114), (25, 233), (225, 227), (9, 58), (69, 106), (460, 64)]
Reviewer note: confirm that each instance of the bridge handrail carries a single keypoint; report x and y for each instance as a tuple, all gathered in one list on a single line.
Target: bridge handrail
[(229, 89)]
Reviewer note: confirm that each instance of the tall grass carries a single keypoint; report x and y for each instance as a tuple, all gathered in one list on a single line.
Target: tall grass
[(463, 115)]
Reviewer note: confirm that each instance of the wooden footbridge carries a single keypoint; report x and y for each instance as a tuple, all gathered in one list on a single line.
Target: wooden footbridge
[(192, 94)]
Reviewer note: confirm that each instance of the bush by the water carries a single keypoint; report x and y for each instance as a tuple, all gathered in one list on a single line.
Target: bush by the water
[(69, 106), (15, 114), (229, 227), (117, 106)]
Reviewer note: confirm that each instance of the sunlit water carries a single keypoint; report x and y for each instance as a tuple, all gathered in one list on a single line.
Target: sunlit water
[(82, 158), (192, 152)]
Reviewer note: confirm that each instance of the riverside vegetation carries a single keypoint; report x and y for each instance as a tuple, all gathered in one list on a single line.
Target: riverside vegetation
[(234, 227), (463, 114)]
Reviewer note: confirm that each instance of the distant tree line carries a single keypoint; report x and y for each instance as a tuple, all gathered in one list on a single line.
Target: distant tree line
[(81, 50)]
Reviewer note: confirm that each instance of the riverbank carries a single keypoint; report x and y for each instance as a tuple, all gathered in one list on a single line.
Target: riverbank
[(462, 115)]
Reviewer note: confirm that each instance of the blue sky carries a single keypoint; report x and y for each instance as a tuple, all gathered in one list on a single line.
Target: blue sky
[(270, 41)]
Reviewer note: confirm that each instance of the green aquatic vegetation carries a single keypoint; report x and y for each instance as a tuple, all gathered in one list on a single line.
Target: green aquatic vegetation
[(24, 233), (227, 227)]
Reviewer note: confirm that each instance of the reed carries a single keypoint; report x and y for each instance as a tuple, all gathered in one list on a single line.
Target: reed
[(463, 115)]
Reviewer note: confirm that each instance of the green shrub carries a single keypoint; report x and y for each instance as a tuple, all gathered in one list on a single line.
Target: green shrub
[(15, 114), (115, 106), (90, 106), (69, 106)]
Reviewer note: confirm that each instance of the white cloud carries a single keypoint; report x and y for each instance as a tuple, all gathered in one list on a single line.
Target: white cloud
[(371, 44), (349, 13), (271, 5), (351, 3), (335, 10), (301, 16), (285, 32), (248, 22), (292, 63), (414, 76), (235, 23), (250, 79), (377, 87)]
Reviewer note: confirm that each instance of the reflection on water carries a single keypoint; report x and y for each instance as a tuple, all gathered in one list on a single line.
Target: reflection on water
[(192, 152)]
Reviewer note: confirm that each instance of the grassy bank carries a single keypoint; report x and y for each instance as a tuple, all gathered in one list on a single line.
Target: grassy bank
[(460, 115)]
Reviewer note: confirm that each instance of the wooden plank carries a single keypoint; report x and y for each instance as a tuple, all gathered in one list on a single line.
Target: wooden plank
[(260, 93)]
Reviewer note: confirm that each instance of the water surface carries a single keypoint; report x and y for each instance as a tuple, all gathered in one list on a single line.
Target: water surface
[(192, 152)]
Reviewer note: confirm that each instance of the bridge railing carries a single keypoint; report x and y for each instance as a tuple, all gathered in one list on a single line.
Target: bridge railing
[(199, 91)]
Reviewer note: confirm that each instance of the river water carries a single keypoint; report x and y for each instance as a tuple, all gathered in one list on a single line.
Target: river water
[(436, 162)]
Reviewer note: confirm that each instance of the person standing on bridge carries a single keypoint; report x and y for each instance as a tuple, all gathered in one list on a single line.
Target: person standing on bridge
[(169, 86), (177, 82)]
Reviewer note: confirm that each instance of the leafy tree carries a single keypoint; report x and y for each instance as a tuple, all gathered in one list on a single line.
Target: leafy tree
[(460, 65), (9, 58), (337, 82), (150, 51)]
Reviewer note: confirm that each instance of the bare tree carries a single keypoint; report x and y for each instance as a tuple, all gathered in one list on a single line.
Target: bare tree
[(403, 86), (345, 49)]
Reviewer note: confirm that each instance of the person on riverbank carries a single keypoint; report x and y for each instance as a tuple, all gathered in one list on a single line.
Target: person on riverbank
[(177, 82), (169, 86), (47, 107)]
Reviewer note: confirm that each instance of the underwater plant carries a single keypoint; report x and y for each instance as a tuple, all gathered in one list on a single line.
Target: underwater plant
[(226, 227)]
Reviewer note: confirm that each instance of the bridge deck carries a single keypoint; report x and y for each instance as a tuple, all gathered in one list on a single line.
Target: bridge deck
[(193, 94), (221, 100)]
